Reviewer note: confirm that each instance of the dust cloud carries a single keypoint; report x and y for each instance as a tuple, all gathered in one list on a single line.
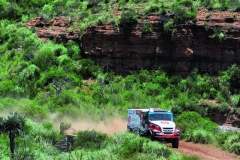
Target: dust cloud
[(110, 127)]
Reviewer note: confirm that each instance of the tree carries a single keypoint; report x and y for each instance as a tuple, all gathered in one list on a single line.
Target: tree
[(13, 126), (28, 78)]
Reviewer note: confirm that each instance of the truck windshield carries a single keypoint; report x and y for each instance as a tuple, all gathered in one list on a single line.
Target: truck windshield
[(160, 116)]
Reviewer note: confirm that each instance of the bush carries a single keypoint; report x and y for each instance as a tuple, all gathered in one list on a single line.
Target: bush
[(230, 78), (45, 58), (199, 136), (128, 145), (90, 140), (87, 69), (232, 142), (184, 11), (10, 10), (6, 88), (168, 25), (127, 20), (152, 89), (35, 111), (189, 121), (147, 28)]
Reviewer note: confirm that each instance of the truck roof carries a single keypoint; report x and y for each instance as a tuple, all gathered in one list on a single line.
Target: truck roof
[(152, 109)]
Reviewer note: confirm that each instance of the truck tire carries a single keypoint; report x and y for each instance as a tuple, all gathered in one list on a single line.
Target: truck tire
[(175, 143), (151, 137)]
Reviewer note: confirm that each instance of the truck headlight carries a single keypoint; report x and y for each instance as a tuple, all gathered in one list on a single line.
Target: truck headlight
[(177, 134)]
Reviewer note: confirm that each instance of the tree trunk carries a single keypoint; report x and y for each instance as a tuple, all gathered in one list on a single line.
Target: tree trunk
[(11, 138)]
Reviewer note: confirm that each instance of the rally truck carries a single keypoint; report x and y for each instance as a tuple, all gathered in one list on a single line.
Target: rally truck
[(154, 123)]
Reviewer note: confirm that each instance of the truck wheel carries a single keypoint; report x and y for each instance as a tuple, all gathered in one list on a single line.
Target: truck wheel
[(175, 143), (151, 137)]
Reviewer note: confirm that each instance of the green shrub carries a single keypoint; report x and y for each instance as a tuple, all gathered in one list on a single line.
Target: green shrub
[(45, 58), (10, 10), (235, 100), (127, 20), (232, 143), (191, 157), (73, 50), (41, 133), (168, 25), (162, 79), (184, 11), (90, 140), (67, 110), (199, 136), (147, 28), (152, 8), (128, 144), (152, 89), (230, 78), (35, 111), (87, 69), (188, 121), (92, 3), (6, 88)]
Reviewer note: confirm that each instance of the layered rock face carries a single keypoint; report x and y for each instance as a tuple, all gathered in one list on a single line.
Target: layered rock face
[(210, 44)]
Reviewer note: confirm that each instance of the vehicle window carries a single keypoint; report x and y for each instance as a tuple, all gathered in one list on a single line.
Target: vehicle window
[(158, 117)]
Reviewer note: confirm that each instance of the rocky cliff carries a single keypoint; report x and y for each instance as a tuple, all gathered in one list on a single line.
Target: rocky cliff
[(212, 43)]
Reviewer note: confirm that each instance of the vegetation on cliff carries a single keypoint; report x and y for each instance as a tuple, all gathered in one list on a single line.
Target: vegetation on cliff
[(40, 78)]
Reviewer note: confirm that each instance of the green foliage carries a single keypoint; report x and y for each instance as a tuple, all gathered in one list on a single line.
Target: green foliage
[(129, 145), (127, 20), (73, 50), (87, 69), (218, 34), (152, 89), (147, 28), (90, 140), (10, 10), (188, 121), (229, 141), (168, 25), (35, 111), (184, 11), (230, 78), (41, 133), (7, 88), (44, 59), (152, 8), (64, 126), (199, 136), (12, 126), (28, 78), (51, 75)]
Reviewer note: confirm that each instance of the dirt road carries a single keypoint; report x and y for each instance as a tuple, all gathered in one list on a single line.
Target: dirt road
[(205, 152)]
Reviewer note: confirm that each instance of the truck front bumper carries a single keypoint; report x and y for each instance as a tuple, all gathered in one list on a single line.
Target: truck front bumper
[(161, 135)]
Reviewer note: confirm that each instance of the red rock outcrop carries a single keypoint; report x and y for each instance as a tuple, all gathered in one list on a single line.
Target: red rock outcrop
[(211, 44), (59, 30)]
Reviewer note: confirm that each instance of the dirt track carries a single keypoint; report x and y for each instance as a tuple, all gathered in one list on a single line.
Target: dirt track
[(205, 152)]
